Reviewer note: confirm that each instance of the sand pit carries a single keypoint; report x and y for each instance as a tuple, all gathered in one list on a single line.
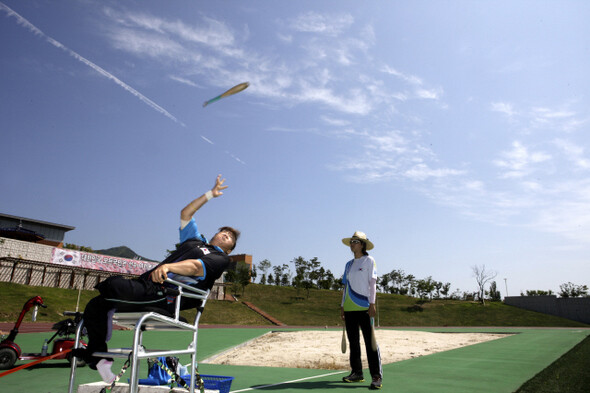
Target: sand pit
[(321, 349)]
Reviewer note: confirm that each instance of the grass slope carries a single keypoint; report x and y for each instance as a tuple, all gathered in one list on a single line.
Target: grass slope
[(296, 308)]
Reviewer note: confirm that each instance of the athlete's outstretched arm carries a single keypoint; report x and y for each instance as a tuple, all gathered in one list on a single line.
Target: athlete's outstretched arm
[(189, 210)]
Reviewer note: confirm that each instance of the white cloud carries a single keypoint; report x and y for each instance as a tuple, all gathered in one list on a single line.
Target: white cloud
[(390, 142), (411, 79), (573, 152), (503, 107), (416, 84), (545, 114), (211, 32), (213, 49), (312, 22), (568, 214), (532, 186), (184, 81), (474, 185), (519, 161), (429, 94), (335, 122), (560, 120), (355, 103), (541, 118), (395, 155), (288, 38), (147, 44), (422, 172)]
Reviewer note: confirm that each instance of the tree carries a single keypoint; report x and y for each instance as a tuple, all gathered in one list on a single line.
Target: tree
[(495, 295), (383, 282), (263, 266), (302, 274), (309, 274), (231, 277), (320, 277), (337, 285), (328, 280), (425, 287), (398, 278), (286, 279), (408, 285), (282, 275), (244, 276), (457, 295), (397, 282), (239, 278), (77, 247), (445, 289), (438, 285), (482, 276), (537, 292), (253, 273), (573, 290), (278, 271), (169, 252), (315, 271)]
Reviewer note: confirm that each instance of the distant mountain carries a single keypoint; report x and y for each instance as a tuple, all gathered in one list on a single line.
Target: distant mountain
[(123, 252)]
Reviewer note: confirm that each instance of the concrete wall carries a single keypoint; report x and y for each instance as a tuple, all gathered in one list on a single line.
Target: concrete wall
[(24, 250), (577, 309)]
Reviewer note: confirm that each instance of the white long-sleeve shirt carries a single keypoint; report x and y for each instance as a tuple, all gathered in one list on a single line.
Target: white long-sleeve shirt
[(360, 283)]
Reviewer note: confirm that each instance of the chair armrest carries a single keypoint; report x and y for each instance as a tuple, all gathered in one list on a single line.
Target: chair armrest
[(186, 290), (193, 292)]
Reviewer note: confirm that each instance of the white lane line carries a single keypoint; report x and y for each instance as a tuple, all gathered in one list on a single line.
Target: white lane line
[(287, 382)]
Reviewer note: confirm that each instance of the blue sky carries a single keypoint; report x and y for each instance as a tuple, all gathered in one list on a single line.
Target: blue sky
[(454, 133)]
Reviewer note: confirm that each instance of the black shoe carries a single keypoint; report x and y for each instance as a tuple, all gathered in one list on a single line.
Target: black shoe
[(376, 384), (84, 354), (354, 377)]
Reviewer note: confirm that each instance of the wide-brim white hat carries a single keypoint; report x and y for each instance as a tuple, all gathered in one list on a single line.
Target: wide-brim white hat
[(359, 236)]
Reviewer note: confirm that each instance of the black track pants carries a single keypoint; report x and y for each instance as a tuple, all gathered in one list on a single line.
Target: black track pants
[(355, 320), (121, 294)]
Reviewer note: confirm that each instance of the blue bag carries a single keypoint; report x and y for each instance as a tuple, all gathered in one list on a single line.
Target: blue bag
[(156, 374)]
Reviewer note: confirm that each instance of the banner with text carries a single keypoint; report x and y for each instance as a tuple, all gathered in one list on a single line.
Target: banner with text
[(99, 262)]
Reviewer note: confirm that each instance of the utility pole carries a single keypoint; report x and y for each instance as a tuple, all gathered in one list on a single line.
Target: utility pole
[(506, 284)]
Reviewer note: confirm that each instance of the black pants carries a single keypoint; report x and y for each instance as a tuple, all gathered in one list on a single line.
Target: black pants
[(120, 294), (354, 320)]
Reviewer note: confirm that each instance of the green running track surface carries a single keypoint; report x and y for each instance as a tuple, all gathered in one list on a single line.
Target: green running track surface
[(496, 366)]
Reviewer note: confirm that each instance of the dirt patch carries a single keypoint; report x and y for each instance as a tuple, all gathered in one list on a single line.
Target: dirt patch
[(321, 349)]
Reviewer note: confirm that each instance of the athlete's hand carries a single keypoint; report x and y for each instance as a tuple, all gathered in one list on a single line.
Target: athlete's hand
[(160, 274), (216, 190)]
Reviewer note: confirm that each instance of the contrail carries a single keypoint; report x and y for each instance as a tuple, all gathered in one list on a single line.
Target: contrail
[(22, 21)]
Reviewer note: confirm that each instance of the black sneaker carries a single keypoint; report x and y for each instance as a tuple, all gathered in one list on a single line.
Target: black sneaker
[(376, 384), (354, 377), (83, 354)]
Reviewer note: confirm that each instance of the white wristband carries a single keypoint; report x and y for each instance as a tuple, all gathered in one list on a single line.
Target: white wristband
[(209, 195)]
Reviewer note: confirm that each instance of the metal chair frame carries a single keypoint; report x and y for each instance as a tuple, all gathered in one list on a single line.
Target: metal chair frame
[(152, 321)]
